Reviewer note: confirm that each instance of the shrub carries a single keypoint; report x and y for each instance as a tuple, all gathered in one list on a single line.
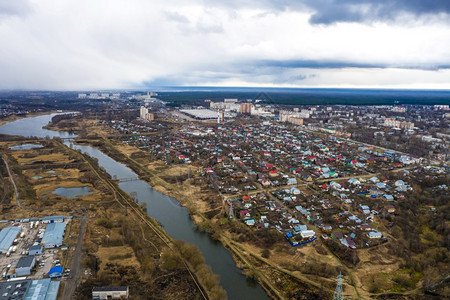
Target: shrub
[(107, 223), (169, 260)]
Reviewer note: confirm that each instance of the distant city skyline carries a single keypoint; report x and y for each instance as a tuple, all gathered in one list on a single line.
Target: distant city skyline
[(112, 44)]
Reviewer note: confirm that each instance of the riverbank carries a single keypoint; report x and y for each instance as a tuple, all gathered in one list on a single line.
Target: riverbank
[(115, 224), (13, 118), (173, 254), (209, 218)]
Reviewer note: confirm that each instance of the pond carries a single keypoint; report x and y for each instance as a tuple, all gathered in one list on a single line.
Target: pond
[(26, 147), (72, 192)]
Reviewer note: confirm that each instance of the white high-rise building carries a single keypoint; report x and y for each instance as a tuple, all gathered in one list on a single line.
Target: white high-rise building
[(143, 112)]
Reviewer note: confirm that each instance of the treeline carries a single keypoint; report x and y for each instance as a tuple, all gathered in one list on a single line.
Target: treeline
[(189, 252), (306, 96), (422, 233), (172, 260), (56, 119)]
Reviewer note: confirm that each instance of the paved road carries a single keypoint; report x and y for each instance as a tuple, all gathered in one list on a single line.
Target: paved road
[(75, 267), (14, 184)]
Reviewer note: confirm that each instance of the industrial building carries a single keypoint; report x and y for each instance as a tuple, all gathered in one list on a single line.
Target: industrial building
[(110, 292), (53, 235), (27, 289), (24, 265), (42, 289), (7, 237), (14, 289), (202, 114), (35, 250)]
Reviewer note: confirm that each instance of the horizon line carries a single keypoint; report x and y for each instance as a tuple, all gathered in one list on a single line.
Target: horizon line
[(155, 88)]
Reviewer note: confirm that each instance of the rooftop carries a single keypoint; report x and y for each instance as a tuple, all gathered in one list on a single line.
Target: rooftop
[(200, 113), (54, 234), (44, 289), (14, 290), (7, 236), (25, 261)]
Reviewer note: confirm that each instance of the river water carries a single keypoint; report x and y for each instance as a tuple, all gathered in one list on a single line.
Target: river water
[(166, 210)]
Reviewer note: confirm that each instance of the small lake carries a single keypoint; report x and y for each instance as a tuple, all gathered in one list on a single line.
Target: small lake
[(72, 192), (26, 147)]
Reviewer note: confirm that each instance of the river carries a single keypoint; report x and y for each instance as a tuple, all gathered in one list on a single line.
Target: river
[(166, 210)]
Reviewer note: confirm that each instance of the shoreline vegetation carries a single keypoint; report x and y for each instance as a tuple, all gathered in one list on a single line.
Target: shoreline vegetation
[(176, 253)]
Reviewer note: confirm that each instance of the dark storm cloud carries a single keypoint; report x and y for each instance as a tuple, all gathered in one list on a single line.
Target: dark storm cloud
[(315, 64), (332, 11), (274, 71)]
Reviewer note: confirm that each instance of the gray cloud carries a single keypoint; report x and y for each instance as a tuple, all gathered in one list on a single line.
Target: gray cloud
[(14, 8), (332, 11), (233, 42), (208, 28), (176, 17), (336, 64)]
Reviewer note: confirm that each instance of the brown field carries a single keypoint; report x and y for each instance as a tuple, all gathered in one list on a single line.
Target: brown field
[(188, 194), (127, 149), (123, 255)]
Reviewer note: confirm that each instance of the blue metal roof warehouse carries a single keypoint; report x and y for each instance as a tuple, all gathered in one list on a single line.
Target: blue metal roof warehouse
[(27, 289), (42, 289), (53, 235), (7, 237)]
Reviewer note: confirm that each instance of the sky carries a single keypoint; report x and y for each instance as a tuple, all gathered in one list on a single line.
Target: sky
[(118, 44)]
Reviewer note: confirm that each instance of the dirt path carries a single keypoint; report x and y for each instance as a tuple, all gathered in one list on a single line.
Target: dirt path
[(13, 182), (75, 267)]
